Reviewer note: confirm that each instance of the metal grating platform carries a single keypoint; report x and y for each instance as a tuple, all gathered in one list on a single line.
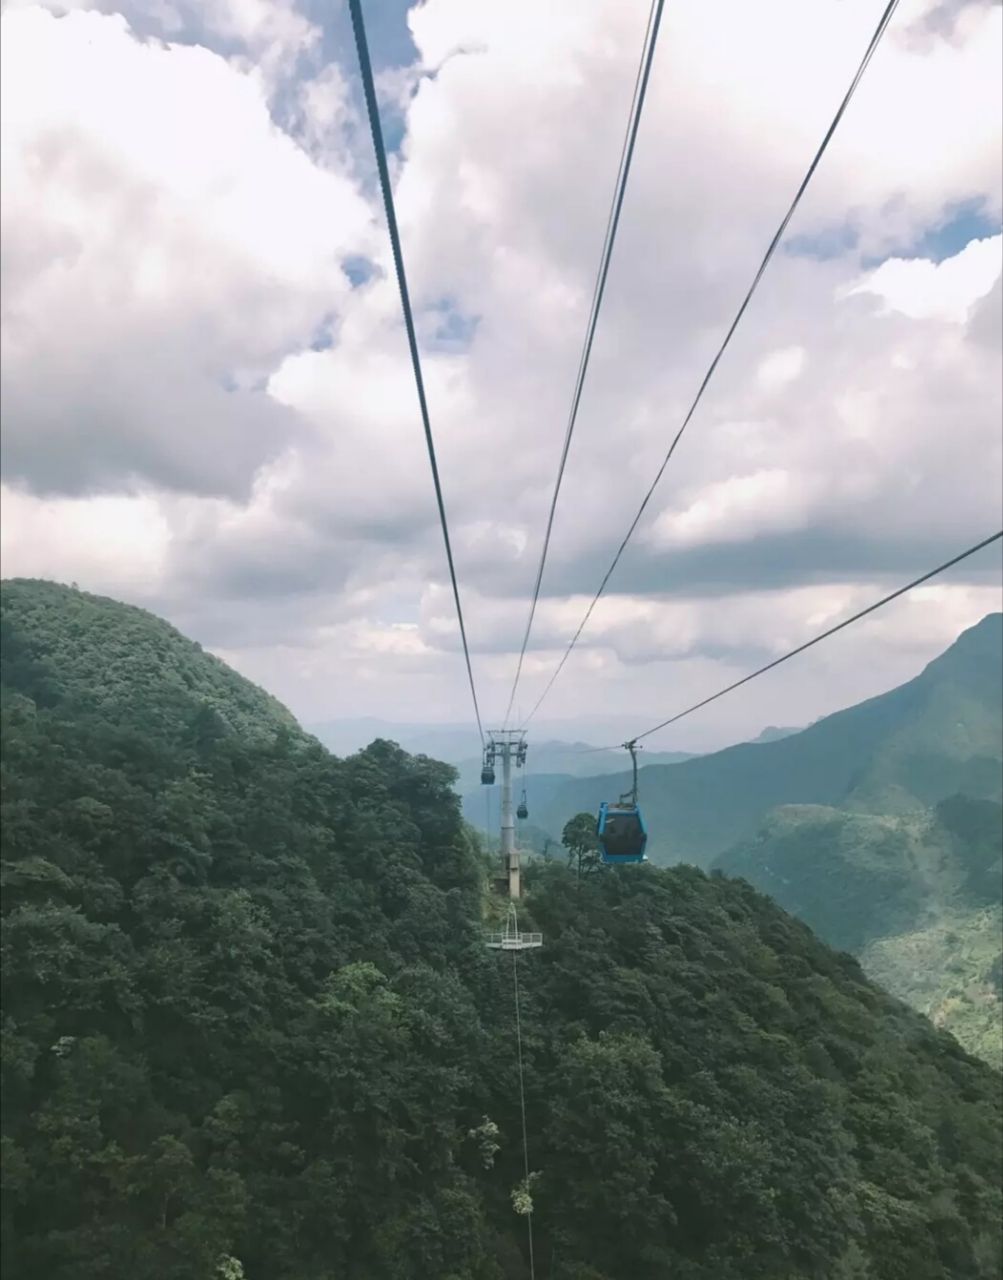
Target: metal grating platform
[(513, 941)]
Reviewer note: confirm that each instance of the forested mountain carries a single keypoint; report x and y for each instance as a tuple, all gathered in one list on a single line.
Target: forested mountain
[(917, 897), (864, 824), (123, 664), (937, 735), (251, 1028)]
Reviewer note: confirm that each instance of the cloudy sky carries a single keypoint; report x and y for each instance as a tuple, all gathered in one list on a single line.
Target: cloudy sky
[(208, 408)]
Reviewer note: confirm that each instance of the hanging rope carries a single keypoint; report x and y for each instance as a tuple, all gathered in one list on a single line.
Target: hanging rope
[(626, 155), (522, 1104), (369, 92), (886, 18), (831, 631)]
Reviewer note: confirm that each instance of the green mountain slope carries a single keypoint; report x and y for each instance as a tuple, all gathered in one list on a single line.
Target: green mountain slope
[(855, 877), (914, 896), (251, 1028), (99, 657), (951, 971), (939, 734), (851, 877)]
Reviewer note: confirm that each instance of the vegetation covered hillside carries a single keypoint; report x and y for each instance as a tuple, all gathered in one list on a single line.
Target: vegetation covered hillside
[(856, 877), (951, 969), (908, 749), (917, 897), (98, 657), (251, 1029)]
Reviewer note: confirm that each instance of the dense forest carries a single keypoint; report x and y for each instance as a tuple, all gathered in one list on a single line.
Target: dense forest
[(880, 826), (917, 897), (251, 1028)]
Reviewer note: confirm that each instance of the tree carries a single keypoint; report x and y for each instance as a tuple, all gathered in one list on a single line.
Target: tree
[(580, 840)]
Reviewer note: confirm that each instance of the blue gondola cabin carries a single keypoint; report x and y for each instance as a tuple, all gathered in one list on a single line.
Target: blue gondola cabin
[(623, 837)]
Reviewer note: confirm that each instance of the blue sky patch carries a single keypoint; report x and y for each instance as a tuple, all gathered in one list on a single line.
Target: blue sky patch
[(834, 242), (390, 46), (387, 32), (454, 329), (964, 223), (242, 381), (323, 337), (961, 224), (359, 270)]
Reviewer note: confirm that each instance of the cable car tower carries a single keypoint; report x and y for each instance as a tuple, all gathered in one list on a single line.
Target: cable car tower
[(508, 746)]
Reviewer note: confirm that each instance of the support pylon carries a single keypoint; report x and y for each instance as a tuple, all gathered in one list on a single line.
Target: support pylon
[(508, 745)]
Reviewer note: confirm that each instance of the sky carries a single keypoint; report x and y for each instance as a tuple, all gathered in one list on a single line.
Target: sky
[(208, 406)]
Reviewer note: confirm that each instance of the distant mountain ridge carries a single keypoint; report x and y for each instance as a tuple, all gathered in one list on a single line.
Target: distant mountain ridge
[(773, 733), (938, 734), (916, 897), (548, 766), (880, 826), (557, 758)]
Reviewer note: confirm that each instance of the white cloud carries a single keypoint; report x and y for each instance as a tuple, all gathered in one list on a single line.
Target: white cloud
[(265, 36), (162, 243), (272, 31), (117, 545), (781, 368), (944, 290), (737, 508), (170, 257)]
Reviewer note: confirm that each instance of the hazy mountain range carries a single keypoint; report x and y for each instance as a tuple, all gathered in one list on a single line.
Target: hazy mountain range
[(881, 826), (911, 747), (555, 756)]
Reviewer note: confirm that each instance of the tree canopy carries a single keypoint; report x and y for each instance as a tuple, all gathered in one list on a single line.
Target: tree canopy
[(251, 1028)]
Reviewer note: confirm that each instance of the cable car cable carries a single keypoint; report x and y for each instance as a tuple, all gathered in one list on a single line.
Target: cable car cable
[(626, 155), (817, 639), (522, 1104), (875, 39), (372, 109)]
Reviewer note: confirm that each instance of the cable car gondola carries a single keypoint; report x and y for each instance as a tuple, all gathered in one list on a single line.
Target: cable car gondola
[(488, 768), (620, 828), (623, 837), (523, 810)]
